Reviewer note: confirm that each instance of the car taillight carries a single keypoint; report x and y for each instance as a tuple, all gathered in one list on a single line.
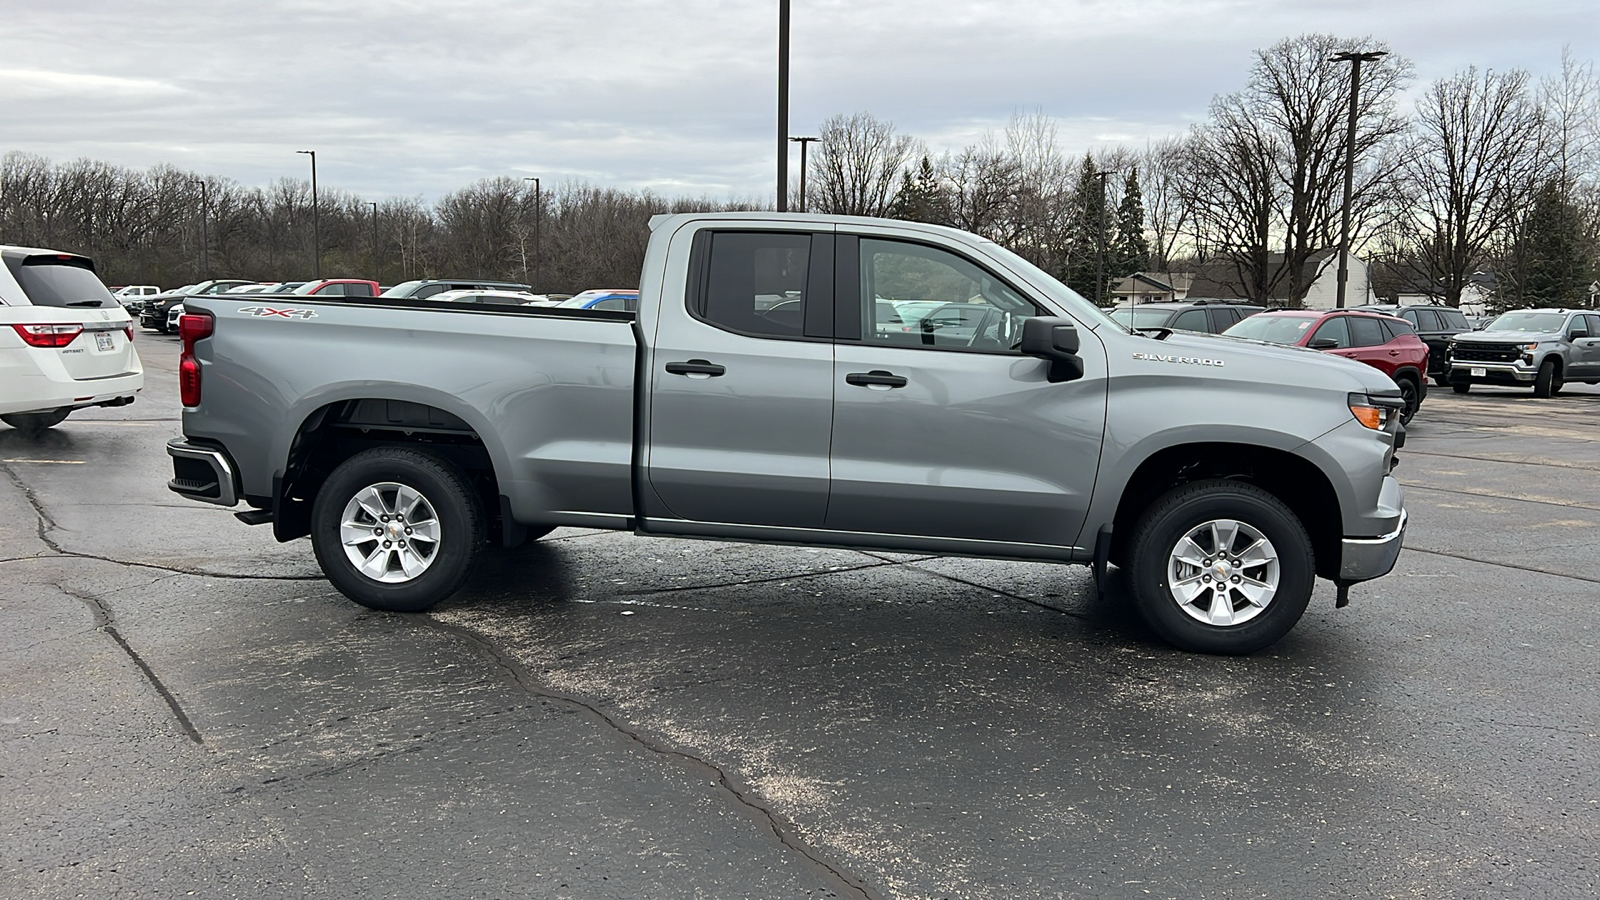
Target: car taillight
[(129, 332), (191, 327), (48, 335)]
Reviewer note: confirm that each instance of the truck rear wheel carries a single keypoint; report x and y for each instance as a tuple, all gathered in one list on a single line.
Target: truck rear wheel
[(396, 529), (1221, 567)]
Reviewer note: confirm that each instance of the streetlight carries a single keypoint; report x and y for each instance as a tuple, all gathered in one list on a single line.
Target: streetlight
[(375, 274), (538, 214), (1355, 60), (205, 237), (783, 106), (1100, 241), (803, 141), (316, 224)]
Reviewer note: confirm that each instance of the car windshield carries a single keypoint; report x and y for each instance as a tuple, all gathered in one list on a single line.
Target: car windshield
[(402, 289), (1533, 323), (1272, 329), (1141, 318)]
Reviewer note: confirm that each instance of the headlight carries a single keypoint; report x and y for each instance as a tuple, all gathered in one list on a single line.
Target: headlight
[(1374, 412), (1530, 346)]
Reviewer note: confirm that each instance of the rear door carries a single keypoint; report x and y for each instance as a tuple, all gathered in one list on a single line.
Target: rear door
[(741, 401), (953, 433)]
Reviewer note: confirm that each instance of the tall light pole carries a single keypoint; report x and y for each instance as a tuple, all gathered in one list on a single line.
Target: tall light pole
[(1355, 60), (538, 214), (205, 236), (803, 141), (316, 223), (375, 274), (1100, 241), (783, 106)]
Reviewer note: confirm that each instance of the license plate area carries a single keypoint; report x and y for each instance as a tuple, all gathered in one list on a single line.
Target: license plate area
[(1477, 371), (104, 342)]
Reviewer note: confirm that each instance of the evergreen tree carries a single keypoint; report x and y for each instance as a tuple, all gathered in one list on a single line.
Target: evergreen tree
[(1552, 267), (921, 197), (1131, 249), (1087, 233)]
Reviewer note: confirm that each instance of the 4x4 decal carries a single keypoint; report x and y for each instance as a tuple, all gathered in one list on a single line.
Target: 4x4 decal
[(262, 312)]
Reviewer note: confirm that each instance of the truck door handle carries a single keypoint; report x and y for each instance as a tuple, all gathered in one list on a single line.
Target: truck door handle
[(875, 378), (695, 367)]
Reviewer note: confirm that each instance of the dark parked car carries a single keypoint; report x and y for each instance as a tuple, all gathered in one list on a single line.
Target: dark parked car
[(1383, 342), (1206, 316), (423, 289), (154, 313), (1436, 325)]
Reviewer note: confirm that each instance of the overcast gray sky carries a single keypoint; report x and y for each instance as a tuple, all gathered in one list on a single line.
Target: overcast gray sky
[(419, 97)]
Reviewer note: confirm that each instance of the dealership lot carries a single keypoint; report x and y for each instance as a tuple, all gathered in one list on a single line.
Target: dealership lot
[(190, 707)]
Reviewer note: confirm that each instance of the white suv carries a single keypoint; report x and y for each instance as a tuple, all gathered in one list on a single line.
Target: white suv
[(65, 342)]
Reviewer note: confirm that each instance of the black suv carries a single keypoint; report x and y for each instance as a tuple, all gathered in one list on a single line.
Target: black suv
[(1208, 316), (1436, 325)]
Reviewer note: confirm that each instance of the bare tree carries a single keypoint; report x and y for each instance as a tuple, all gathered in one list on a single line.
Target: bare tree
[(1472, 165), (858, 165), (1166, 214)]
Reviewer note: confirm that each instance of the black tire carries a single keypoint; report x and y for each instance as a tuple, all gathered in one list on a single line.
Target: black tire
[(1461, 387), (1548, 381), (1441, 381), (1410, 395), (454, 506), (1171, 518), (33, 423)]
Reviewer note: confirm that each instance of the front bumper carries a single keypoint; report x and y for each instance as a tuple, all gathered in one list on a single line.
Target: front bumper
[(1362, 559), (1493, 373)]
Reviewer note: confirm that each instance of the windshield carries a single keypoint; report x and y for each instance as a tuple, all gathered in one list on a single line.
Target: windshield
[(402, 289), (1141, 318), (1071, 299), (1532, 323), (1272, 329)]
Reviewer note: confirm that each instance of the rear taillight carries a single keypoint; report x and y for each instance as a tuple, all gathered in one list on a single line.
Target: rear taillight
[(129, 332), (48, 335), (191, 327)]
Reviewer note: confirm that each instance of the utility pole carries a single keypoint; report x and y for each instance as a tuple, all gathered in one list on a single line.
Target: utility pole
[(375, 274), (316, 223), (783, 106), (1355, 60), (205, 236), (1100, 241), (538, 214), (803, 141)]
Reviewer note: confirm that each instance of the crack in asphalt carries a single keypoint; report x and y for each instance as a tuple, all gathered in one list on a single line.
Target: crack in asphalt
[(1503, 565), (104, 621), (46, 524), (785, 833), (1512, 462), (1020, 598), (885, 563), (1486, 494)]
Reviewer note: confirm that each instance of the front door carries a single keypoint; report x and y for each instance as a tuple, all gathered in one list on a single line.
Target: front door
[(941, 428), (741, 400)]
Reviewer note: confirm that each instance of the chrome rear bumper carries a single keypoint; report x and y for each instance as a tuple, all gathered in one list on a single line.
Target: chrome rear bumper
[(202, 473)]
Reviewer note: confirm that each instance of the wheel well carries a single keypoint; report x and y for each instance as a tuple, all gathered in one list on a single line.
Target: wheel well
[(1409, 372), (1292, 479), (338, 431)]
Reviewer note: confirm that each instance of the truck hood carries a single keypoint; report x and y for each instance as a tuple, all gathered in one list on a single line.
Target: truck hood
[(1507, 337), (1282, 364)]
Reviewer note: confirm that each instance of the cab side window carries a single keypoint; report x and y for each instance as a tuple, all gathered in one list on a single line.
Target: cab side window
[(757, 282), (1334, 330), (914, 295), (1365, 332), (1190, 320)]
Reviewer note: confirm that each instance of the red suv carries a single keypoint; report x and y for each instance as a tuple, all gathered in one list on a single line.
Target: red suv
[(1383, 342)]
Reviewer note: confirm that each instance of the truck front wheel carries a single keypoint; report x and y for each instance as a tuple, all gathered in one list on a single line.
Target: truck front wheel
[(1221, 567), (396, 529)]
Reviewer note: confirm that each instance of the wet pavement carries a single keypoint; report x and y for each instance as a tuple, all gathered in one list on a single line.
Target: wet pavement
[(188, 707)]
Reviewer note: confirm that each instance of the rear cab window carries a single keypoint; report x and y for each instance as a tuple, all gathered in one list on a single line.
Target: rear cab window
[(59, 280), (767, 284)]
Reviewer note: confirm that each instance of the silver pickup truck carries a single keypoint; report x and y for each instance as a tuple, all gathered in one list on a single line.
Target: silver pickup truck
[(801, 379)]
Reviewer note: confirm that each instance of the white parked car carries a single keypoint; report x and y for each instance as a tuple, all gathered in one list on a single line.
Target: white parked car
[(172, 318), (505, 298), (65, 342)]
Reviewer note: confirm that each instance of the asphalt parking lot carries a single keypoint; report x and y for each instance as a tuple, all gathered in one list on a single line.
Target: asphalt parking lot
[(189, 709)]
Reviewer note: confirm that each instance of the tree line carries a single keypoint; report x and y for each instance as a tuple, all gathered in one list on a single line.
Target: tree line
[(1486, 178)]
